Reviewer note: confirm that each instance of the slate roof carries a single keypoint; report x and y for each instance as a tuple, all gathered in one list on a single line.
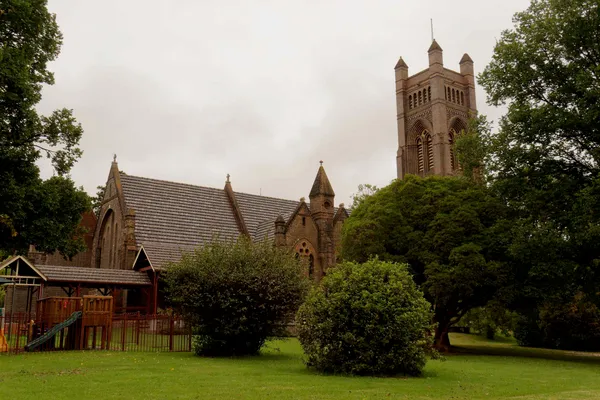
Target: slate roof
[(93, 275), (260, 213), (177, 214), (171, 218), (160, 254)]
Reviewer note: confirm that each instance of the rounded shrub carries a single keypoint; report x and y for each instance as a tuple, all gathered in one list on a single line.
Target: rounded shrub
[(236, 294), (366, 319)]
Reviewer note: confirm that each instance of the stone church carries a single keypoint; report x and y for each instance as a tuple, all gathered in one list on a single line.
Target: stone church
[(146, 222), (433, 107)]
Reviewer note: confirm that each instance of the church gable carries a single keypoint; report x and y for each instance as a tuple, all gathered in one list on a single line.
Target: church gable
[(108, 249)]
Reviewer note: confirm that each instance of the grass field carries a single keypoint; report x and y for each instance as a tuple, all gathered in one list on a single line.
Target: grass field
[(482, 370)]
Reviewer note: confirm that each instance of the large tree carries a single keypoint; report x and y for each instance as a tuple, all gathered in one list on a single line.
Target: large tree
[(32, 211), (451, 232), (544, 161)]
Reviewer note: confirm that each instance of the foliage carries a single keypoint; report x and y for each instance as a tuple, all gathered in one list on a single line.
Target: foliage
[(235, 294), (545, 158), (97, 200), (567, 325), (366, 319), (489, 320), (472, 148), (364, 190), (451, 231), (29, 40), (2, 296)]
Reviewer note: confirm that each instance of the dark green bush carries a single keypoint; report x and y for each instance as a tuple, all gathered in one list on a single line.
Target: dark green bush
[(236, 294), (573, 325), (366, 319)]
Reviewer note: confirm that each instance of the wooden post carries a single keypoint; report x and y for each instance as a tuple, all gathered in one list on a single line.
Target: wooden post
[(171, 332), (155, 293), (123, 333), (137, 329)]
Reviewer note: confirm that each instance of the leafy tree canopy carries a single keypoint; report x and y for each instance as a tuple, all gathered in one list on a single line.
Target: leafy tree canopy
[(544, 161), (451, 232), (29, 40)]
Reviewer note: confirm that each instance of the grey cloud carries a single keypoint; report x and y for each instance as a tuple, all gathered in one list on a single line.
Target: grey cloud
[(192, 90)]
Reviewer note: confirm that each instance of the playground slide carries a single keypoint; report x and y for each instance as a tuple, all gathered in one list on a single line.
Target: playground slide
[(52, 332)]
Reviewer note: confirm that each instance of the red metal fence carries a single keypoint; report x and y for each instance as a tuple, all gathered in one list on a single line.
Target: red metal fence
[(128, 332)]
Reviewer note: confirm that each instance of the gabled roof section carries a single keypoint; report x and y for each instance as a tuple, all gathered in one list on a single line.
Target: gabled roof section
[(160, 255), (260, 213), (9, 262), (321, 186), (341, 213), (169, 214), (173, 218)]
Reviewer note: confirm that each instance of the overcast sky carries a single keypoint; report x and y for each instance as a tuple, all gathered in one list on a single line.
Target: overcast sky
[(189, 91)]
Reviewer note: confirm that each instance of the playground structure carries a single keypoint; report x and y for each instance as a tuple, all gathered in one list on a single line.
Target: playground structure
[(71, 323)]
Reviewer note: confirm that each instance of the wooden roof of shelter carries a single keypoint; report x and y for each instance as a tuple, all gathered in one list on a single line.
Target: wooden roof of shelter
[(22, 272), (116, 277)]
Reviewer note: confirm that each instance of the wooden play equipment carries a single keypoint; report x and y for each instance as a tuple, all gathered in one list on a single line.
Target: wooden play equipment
[(68, 323)]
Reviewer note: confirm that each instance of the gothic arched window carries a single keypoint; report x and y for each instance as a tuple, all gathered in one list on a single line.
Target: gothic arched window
[(305, 252), (420, 158), (429, 142), (453, 161)]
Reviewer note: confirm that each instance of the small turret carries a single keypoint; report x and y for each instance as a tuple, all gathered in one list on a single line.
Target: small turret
[(436, 54), (279, 231), (401, 70)]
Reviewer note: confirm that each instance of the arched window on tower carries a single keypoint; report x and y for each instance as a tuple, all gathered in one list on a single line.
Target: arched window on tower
[(453, 96), (410, 102), (457, 127), (449, 94), (420, 98), (453, 160), (429, 93), (462, 98), (420, 158), (429, 142)]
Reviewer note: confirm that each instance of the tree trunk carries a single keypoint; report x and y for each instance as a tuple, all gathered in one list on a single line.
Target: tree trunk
[(441, 341)]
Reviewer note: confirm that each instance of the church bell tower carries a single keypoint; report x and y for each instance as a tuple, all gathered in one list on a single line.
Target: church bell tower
[(433, 107)]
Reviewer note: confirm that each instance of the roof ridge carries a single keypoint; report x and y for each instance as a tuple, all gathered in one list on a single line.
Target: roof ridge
[(205, 187)]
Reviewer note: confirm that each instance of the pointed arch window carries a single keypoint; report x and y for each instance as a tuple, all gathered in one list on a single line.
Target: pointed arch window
[(429, 142), (304, 252), (453, 160), (420, 158)]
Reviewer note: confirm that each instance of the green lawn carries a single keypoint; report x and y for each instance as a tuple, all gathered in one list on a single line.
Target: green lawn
[(483, 370)]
